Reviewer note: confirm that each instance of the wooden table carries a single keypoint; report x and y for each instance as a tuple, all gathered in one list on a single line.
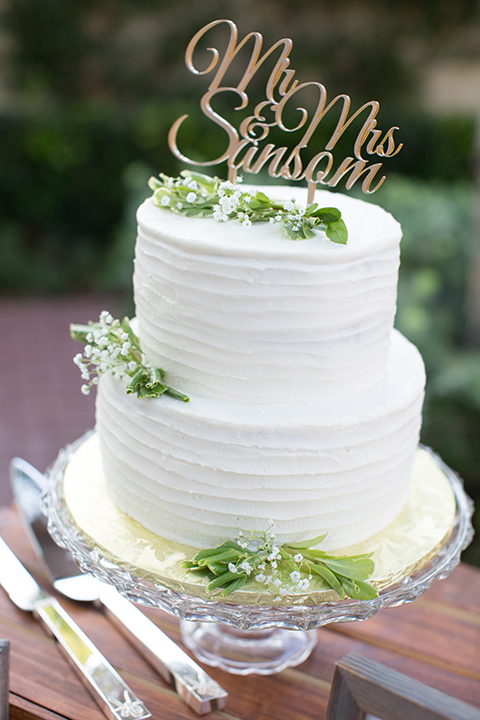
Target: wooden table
[(435, 640)]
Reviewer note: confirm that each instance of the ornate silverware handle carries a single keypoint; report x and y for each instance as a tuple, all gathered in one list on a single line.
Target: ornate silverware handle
[(109, 690), (195, 687)]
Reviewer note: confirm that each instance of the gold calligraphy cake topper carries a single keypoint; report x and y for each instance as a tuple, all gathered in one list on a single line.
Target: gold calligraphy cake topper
[(247, 150)]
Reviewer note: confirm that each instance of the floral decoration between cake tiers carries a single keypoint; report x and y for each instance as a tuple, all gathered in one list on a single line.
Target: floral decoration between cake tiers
[(406, 546)]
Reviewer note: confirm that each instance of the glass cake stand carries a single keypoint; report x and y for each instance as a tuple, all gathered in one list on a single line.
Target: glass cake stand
[(248, 638)]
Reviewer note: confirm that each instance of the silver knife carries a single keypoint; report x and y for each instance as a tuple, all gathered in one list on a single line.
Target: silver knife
[(109, 690), (191, 682)]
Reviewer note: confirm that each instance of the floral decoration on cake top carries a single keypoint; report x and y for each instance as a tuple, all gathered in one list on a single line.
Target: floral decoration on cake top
[(196, 195)]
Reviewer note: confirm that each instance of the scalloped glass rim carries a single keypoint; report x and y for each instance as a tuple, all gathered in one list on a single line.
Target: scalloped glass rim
[(151, 593)]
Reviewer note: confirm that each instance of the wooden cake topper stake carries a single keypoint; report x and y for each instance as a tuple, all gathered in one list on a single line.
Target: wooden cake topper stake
[(246, 150)]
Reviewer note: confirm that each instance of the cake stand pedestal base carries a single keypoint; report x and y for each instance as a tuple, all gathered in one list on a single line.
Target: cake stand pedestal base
[(243, 652)]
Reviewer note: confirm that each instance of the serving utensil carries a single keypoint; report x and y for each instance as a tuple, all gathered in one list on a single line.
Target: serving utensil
[(193, 685), (107, 687)]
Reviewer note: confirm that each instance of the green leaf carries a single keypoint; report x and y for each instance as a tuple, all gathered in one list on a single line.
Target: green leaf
[(337, 232), (307, 543), (205, 181), (236, 585), (224, 578), (177, 394), (80, 332), (262, 198), (138, 380), (153, 183), (225, 557), (157, 374), (311, 209), (152, 391), (307, 231), (127, 328), (327, 215), (209, 552), (329, 577), (354, 569), (358, 590)]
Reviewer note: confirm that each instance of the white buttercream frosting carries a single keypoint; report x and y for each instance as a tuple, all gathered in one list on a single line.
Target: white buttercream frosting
[(305, 404), (248, 315), (197, 472)]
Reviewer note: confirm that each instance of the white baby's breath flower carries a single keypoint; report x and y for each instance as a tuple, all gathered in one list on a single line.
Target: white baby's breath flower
[(106, 317), (275, 554), (303, 584), (219, 215), (282, 591), (247, 222), (85, 389), (232, 568), (165, 200), (246, 567), (298, 557), (191, 197), (289, 205), (226, 204), (78, 359), (131, 365), (226, 185), (277, 582), (260, 578), (295, 576)]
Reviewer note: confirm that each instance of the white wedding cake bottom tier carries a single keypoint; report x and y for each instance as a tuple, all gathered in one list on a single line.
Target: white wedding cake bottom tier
[(198, 472)]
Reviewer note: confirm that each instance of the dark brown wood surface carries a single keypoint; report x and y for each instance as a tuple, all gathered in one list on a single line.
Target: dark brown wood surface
[(436, 640)]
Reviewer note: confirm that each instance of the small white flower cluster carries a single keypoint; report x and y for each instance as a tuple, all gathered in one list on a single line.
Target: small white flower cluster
[(108, 348), (181, 184), (232, 203), (271, 571), (294, 217)]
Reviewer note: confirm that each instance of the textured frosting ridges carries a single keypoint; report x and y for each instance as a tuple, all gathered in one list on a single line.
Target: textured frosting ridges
[(198, 472), (247, 315)]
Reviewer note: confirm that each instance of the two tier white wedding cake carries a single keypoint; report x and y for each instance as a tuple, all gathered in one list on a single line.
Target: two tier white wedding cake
[(305, 403)]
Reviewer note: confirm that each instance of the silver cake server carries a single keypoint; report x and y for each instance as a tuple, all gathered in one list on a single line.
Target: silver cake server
[(194, 686), (109, 690)]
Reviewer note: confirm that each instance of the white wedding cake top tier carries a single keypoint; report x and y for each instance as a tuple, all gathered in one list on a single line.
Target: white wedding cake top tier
[(246, 314)]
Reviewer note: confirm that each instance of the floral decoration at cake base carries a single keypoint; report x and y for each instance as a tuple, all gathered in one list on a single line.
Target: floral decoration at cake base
[(401, 550)]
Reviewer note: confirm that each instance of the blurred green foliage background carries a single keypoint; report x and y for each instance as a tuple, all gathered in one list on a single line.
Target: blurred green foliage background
[(89, 90)]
